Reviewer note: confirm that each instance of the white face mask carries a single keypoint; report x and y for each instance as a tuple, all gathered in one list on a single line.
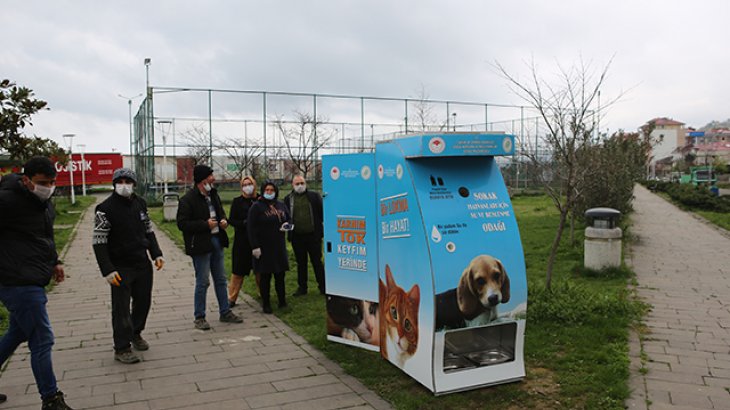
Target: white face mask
[(207, 187), (124, 190), (247, 189), (43, 192), (299, 189)]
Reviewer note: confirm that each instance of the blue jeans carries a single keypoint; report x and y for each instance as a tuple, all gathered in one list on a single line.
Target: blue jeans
[(210, 264), (29, 322)]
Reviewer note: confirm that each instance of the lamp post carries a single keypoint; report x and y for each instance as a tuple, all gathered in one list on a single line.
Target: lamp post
[(69, 140), (453, 114), (82, 147), (131, 139), (164, 151)]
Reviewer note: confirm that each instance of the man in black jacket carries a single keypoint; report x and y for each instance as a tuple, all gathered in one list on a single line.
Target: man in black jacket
[(123, 237), (202, 220), (305, 208), (28, 260)]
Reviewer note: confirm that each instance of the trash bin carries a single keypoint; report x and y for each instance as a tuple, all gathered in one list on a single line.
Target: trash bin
[(602, 239), (169, 206)]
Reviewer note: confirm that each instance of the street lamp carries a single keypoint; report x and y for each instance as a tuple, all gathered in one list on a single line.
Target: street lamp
[(69, 140), (454, 116), (131, 139), (164, 151), (82, 147)]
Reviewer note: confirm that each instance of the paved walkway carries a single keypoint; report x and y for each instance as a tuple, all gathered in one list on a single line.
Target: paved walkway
[(260, 364), (683, 271)]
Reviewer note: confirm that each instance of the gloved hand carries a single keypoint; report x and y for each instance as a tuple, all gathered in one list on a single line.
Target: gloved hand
[(256, 253), (114, 278), (159, 262)]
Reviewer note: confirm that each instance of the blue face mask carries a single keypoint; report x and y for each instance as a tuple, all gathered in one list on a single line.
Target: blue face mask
[(269, 196)]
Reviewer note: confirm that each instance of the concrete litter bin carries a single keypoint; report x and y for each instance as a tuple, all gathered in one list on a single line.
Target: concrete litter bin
[(602, 239), (169, 206)]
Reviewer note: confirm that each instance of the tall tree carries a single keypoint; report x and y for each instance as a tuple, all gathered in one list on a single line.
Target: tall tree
[(244, 153), (567, 109), (17, 106)]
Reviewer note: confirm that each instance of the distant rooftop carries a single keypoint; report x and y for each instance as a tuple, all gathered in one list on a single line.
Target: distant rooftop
[(665, 121)]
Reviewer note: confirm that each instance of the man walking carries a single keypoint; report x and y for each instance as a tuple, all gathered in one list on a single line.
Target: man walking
[(123, 238), (305, 208), (28, 260), (203, 223)]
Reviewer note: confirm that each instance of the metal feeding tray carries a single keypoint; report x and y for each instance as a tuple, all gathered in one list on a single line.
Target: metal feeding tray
[(454, 362), (489, 357)]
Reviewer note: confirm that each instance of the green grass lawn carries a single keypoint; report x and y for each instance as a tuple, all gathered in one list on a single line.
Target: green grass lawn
[(576, 340), (721, 219)]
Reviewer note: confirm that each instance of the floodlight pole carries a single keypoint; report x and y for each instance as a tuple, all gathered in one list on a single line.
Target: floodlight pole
[(82, 147), (131, 138), (69, 140), (164, 152)]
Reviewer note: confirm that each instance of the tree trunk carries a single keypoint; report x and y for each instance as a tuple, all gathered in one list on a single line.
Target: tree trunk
[(554, 248), (572, 229)]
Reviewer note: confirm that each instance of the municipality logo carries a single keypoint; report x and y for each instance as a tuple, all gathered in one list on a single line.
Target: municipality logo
[(437, 145), (365, 172), (335, 173)]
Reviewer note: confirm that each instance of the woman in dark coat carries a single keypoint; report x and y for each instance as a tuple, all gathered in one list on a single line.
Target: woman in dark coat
[(267, 220), (241, 258)]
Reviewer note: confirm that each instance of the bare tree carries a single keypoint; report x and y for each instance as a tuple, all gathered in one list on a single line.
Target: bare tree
[(304, 137), (566, 109), (425, 119), (197, 140), (244, 153)]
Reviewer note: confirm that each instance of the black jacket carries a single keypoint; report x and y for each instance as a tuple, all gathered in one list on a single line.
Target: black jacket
[(27, 248), (315, 204), (123, 234), (192, 220)]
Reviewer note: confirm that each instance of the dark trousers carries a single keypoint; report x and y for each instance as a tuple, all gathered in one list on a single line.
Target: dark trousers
[(266, 288), (308, 246), (136, 286)]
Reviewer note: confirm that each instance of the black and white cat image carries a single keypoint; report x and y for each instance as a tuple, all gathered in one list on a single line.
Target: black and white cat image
[(353, 319)]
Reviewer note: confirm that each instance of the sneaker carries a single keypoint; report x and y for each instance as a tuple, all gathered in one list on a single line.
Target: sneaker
[(300, 292), (55, 402), (230, 317), (201, 323), (140, 344), (126, 356), (3, 398), (231, 304), (268, 309)]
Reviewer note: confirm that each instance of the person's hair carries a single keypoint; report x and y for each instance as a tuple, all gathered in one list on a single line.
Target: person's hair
[(253, 181), (298, 175), (39, 165)]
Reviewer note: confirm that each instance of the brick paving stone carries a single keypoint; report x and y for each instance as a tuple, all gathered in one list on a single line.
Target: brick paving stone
[(682, 273), (184, 368)]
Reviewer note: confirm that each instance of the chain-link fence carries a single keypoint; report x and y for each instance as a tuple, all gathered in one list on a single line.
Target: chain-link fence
[(277, 134)]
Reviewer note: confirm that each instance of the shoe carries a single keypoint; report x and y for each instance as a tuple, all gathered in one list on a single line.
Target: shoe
[(300, 292), (3, 398), (282, 305), (201, 323), (231, 304), (268, 309), (126, 356), (55, 402), (230, 317), (140, 344)]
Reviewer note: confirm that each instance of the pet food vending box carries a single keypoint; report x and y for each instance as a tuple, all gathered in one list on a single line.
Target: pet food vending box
[(441, 288)]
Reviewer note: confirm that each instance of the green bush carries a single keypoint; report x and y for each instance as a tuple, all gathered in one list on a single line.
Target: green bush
[(697, 197)]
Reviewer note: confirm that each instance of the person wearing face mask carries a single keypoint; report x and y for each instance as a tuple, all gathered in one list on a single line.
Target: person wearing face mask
[(241, 258), (305, 208), (123, 243), (202, 220), (28, 261), (268, 220)]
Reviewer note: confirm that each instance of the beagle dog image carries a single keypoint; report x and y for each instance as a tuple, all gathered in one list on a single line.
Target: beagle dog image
[(483, 285)]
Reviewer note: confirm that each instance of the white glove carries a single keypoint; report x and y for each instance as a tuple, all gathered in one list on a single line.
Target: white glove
[(114, 279), (256, 253)]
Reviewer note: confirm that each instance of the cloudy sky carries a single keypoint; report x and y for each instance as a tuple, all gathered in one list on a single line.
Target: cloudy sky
[(670, 58)]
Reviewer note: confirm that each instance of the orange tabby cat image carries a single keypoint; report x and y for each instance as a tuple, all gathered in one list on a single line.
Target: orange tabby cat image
[(398, 320)]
